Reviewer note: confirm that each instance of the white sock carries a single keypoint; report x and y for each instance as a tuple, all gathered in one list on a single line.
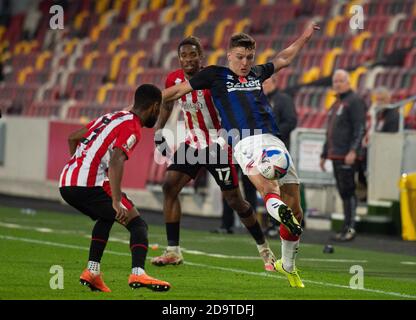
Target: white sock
[(289, 253), (94, 267), (273, 203), (177, 249), (137, 271)]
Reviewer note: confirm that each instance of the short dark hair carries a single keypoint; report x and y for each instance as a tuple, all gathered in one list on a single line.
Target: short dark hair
[(193, 41), (242, 40), (146, 95)]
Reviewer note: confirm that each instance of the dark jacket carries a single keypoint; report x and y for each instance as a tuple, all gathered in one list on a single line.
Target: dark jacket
[(387, 120), (285, 114), (345, 126)]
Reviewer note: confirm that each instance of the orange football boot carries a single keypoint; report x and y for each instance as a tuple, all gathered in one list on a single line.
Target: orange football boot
[(143, 280), (94, 282)]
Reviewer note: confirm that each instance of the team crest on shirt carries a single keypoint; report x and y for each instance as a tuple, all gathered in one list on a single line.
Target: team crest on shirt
[(242, 79), (230, 77), (244, 86), (130, 142)]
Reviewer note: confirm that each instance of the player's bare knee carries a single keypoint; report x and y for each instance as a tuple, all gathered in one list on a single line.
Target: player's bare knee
[(236, 201), (170, 189)]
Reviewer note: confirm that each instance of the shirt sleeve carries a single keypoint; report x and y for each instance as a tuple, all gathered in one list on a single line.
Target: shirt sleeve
[(90, 124), (170, 82), (127, 139), (264, 71), (204, 78)]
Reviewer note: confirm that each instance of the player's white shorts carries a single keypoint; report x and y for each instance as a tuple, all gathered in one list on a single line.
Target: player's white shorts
[(248, 152)]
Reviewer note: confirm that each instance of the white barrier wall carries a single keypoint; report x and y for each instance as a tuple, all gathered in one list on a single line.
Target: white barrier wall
[(25, 149), (390, 155), (23, 171), (385, 156)]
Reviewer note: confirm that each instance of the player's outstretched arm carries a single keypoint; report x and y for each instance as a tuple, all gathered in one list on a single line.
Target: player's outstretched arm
[(286, 56), (115, 175), (175, 92), (74, 138), (164, 115), (160, 141)]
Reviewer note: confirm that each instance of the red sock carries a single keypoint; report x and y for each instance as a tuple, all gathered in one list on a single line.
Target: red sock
[(270, 196), (286, 235)]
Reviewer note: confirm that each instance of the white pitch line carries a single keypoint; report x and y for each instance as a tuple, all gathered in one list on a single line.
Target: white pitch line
[(262, 274), (184, 250), (333, 260), (56, 244), (410, 263)]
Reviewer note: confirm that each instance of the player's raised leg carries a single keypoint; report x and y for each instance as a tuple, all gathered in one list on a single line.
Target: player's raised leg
[(174, 183), (278, 209)]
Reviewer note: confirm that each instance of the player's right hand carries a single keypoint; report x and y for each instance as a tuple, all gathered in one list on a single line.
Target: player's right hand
[(322, 164), (121, 212), (310, 29), (161, 144)]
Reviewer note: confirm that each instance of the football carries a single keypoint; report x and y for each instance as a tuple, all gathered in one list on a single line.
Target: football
[(274, 163)]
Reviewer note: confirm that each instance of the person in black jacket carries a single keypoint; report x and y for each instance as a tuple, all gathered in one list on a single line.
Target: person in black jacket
[(283, 109), (286, 118), (345, 131), (385, 120)]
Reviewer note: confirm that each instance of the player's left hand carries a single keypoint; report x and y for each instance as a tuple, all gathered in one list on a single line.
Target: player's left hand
[(121, 212), (310, 29), (350, 158)]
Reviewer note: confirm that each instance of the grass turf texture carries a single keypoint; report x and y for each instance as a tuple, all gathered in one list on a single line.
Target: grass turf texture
[(31, 244)]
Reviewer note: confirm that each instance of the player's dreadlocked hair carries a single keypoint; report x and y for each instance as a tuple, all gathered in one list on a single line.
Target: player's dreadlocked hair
[(193, 41), (242, 40)]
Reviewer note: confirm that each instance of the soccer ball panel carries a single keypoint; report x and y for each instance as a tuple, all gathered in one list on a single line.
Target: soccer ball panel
[(274, 163)]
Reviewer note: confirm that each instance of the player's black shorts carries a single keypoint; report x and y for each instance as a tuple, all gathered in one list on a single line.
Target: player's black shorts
[(95, 202), (216, 160)]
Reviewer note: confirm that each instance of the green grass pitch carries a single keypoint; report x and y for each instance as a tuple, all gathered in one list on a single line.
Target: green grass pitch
[(223, 267)]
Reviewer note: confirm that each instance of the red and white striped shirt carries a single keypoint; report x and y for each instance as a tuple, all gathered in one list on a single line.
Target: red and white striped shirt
[(202, 120), (88, 166)]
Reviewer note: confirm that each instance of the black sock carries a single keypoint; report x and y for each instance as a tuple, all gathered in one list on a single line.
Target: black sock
[(172, 232), (138, 242), (257, 233), (99, 238)]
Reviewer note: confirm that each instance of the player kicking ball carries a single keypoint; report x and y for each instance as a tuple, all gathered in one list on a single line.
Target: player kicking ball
[(202, 124), (91, 183), (238, 96)]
